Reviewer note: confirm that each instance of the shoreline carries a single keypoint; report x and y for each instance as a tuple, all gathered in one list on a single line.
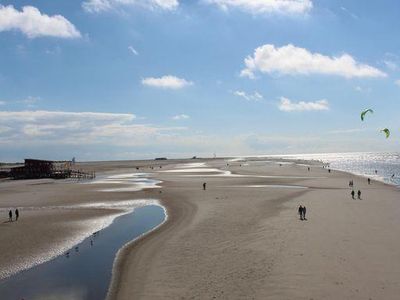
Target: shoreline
[(97, 224), (124, 250), (124, 253), (76, 267)]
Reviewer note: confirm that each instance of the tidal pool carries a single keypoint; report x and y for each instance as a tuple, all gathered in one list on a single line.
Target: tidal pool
[(84, 271)]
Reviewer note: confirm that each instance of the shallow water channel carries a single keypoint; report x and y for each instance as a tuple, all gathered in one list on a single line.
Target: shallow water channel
[(83, 272)]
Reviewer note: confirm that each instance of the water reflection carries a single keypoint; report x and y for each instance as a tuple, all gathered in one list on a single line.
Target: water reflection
[(84, 272)]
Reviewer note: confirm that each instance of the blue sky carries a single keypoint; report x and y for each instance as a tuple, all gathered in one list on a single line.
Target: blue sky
[(127, 79)]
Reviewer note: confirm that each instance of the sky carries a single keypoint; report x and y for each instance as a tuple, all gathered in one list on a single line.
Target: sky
[(134, 79)]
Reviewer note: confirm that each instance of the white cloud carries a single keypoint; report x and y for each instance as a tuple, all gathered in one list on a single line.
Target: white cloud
[(391, 65), (40, 116), (180, 117), (59, 127), (3, 102), (133, 50), (397, 82), (353, 15), (291, 60), (33, 23), (98, 6), (391, 61), (365, 90), (256, 96), (287, 105), (266, 6), (166, 82)]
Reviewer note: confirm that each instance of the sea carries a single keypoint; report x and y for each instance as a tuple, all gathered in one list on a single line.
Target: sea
[(383, 166)]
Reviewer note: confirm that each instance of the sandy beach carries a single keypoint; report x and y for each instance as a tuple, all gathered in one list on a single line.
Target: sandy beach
[(241, 238)]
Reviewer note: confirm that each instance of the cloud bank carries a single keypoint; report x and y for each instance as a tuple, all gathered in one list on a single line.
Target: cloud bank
[(180, 117), (166, 82), (31, 22), (256, 96), (59, 127), (98, 6), (287, 105), (292, 60), (266, 6)]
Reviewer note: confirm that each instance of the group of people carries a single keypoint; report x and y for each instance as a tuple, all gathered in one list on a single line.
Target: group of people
[(358, 194), (302, 212), (10, 215)]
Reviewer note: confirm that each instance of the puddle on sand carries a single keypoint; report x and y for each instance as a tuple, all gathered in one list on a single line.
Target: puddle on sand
[(191, 165), (131, 182), (84, 272)]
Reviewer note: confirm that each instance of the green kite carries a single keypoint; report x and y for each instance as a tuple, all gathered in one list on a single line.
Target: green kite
[(365, 112), (386, 131)]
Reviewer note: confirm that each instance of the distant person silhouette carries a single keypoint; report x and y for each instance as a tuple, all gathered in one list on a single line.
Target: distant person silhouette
[(352, 194), (308, 169), (369, 180), (16, 214), (204, 186), (359, 194), (351, 183), (10, 216), (329, 170), (304, 213), (301, 212), (376, 171)]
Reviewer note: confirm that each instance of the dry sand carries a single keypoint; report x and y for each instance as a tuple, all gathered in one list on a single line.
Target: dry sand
[(233, 241)]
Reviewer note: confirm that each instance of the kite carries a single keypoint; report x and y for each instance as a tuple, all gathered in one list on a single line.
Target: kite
[(386, 131), (365, 112)]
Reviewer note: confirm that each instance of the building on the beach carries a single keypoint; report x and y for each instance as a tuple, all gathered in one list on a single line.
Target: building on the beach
[(36, 169), (32, 169), (4, 173)]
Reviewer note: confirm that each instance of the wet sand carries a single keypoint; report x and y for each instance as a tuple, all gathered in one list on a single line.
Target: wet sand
[(230, 242)]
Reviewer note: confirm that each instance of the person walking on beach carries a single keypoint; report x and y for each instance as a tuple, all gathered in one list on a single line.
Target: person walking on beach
[(16, 214), (359, 194), (301, 212), (204, 186), (369, 180), (304, 213), (10, 216), (351, 183), (352, 194)]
